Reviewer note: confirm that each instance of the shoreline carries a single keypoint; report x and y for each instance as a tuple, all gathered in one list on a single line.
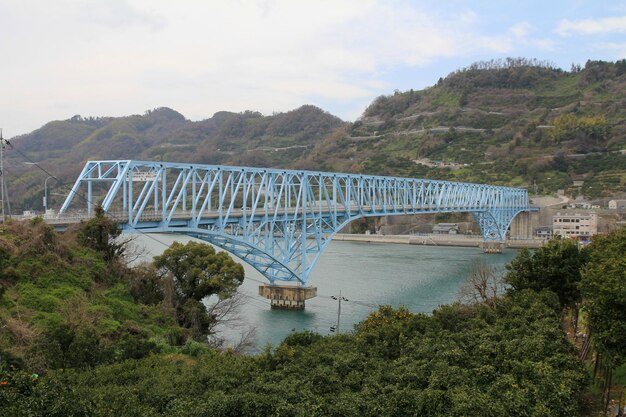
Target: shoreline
[(436, 240)]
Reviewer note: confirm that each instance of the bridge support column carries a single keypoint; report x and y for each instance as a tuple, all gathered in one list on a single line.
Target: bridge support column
[(522, 226), (287, 297), (492, 246)]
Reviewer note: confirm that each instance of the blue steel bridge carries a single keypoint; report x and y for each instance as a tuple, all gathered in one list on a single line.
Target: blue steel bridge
[(279, 221)]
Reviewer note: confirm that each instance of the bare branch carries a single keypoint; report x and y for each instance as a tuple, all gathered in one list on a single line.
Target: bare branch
[(134, 251), (484, 285), (246, 342), (227, 319)]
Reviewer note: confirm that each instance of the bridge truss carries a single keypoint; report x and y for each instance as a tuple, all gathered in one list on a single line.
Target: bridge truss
[(278, 221)]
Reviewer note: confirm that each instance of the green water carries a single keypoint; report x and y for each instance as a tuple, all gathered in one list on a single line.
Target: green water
[(417, 277)]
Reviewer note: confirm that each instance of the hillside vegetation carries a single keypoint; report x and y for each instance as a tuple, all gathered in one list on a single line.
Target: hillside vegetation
[(81, 334), (70, 301), (513, 122), (464, 360)]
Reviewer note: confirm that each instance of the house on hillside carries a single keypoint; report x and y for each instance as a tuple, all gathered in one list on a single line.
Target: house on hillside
[(581, 203), (617, 204), (446, 229), (543, 232)]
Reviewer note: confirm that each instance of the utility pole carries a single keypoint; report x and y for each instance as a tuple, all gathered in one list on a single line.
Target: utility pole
[(45, 193), (339, 299), (3, 192), (2, 171)]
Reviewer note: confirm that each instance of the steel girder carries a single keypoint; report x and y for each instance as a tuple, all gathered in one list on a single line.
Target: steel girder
[(279, 221)]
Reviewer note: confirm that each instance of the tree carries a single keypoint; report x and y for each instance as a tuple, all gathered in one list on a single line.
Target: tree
[(603, 287), (196, 272), (99, 233), (146, 286), (592, 129), (484, 284), (555, 267), (199, 271)]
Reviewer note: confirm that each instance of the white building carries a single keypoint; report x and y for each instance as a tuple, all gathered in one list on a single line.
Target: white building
[(575, 224), (580, 202), (617, 204), (446, 229), (543, 232)]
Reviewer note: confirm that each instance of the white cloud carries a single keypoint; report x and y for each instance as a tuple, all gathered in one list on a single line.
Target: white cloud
[(619, 7), (520, 35), (521, 30), (592, 26), (545, 44), (619, 49), (124, 56)]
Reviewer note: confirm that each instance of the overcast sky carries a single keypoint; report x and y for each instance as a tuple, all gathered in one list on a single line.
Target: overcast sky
[(119, 57)]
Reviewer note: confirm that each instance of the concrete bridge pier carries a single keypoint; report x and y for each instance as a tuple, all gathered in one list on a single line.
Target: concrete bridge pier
[(492, 246), (287, 297), (522, 225)]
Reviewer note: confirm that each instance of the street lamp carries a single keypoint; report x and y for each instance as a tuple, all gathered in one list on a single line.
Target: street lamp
[(45, 193), (45, 187)]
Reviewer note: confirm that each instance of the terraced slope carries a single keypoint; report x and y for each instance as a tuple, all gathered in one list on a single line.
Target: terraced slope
[(515, 122)]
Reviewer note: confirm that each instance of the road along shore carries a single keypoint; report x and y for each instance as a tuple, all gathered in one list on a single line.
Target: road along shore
[(436, 240)]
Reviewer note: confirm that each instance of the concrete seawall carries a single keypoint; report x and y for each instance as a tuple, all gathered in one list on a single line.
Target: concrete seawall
[(435, 240)]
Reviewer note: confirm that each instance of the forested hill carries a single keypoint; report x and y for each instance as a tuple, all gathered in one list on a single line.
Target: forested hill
[(513, 122), (248, 138)]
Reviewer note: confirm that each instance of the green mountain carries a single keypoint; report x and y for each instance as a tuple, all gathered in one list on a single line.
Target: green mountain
[(248, 138), (514, 122)]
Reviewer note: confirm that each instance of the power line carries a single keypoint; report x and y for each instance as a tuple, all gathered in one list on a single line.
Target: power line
[(33, 162)]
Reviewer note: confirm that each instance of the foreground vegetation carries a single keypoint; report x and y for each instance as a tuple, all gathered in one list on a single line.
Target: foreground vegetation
[(107, 340), (464, 360), (70, 301)]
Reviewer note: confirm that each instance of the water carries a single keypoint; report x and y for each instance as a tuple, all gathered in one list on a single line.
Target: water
[(368, 275)]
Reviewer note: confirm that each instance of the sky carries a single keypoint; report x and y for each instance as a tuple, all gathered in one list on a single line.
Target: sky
[(121, 57)]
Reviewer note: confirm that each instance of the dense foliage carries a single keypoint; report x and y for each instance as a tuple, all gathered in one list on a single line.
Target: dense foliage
[(603, 287), (555, 266), (97, 334), (463, 360), (591, 129), (196, 271), (70, 301)]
